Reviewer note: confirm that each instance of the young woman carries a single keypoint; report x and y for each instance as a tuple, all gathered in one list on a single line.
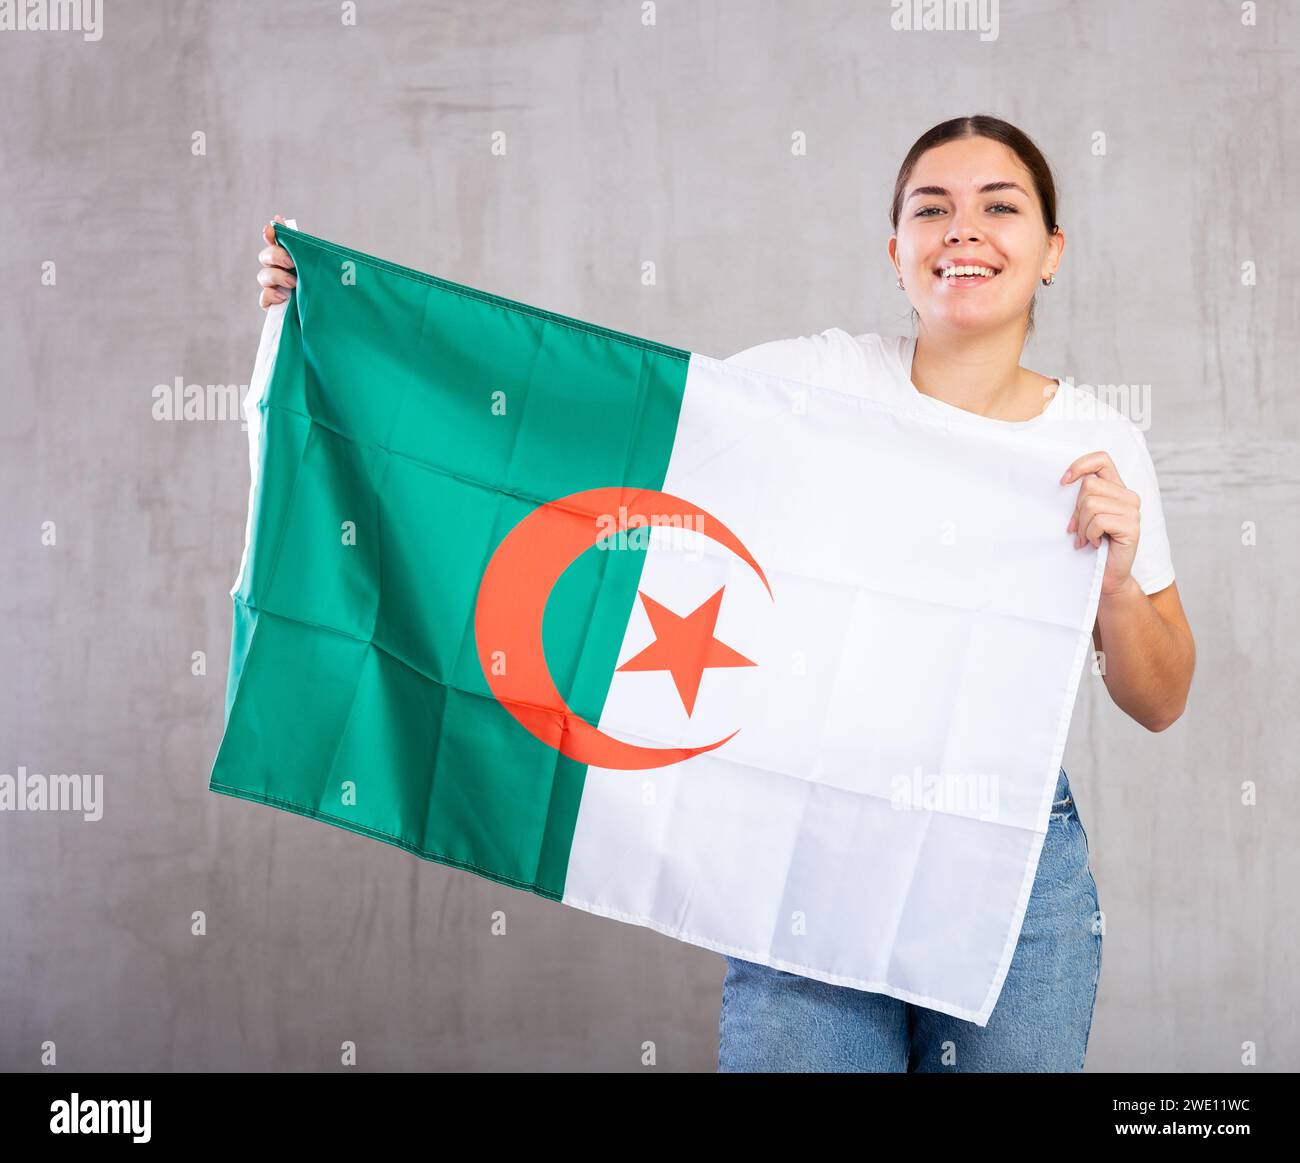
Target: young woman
[(975, 235)]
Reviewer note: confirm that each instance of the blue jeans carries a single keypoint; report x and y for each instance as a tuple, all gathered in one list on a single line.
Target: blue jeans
[(772, 1020)]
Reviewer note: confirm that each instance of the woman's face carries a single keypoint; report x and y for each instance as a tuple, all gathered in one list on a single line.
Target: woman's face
[(949, 218)]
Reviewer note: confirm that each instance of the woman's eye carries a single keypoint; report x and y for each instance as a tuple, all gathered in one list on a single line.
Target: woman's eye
[(1003, 207)]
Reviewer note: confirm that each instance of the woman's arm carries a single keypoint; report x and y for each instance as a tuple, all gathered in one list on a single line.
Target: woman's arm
[(1148, 653)]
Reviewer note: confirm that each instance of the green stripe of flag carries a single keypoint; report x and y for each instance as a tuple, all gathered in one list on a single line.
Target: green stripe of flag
[(432, 417)]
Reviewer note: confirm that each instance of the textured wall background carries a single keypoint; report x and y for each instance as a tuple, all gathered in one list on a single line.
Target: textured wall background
[(625, 143)]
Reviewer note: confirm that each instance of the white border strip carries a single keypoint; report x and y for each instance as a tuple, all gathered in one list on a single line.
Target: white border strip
[(267, 346)]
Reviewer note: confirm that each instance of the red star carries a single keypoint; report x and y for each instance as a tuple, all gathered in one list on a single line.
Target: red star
[(685, 646)]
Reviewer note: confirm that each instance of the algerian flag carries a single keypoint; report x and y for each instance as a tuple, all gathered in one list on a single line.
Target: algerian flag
[(773, 669)]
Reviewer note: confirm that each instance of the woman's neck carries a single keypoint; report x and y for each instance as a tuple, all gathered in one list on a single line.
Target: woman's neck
[(981, 374)]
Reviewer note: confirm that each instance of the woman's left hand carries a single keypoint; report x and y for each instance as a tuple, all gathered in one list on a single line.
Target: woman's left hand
[(1105, 506)]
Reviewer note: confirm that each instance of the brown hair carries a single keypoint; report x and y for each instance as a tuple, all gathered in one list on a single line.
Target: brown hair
[(983, 125)]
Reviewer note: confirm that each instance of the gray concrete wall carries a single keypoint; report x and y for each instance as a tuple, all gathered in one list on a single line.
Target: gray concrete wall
[(626, 143)]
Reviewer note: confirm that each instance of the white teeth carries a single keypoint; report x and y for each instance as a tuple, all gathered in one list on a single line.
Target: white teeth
[(950, 272)]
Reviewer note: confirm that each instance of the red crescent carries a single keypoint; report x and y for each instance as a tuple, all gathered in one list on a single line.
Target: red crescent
[(512, 599)]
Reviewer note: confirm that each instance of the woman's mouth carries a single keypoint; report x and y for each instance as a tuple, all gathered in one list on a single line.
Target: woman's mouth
[(965, 274)]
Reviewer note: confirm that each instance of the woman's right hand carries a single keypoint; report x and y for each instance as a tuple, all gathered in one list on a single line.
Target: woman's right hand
[(276, 274)]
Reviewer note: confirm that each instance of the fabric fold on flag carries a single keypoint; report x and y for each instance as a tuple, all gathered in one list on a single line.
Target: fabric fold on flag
[(773, 669)]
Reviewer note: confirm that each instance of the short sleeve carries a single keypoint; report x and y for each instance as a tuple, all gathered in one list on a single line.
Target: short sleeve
[(806, 358), (1153, 567)]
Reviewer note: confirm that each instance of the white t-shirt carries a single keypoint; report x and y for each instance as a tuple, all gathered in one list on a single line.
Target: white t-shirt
[(880, 367)]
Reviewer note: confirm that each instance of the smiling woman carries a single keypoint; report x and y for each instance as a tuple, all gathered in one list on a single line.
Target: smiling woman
[(975, 141), (975, 237)]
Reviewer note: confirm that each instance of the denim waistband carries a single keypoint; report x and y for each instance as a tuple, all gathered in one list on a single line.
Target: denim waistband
[(1061, 797)]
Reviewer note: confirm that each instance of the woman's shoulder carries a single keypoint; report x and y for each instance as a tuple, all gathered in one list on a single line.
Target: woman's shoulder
[(831, 357), (1100, 416), (789, 347)]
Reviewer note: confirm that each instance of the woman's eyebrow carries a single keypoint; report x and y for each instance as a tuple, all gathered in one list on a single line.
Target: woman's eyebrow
[(990, 188)]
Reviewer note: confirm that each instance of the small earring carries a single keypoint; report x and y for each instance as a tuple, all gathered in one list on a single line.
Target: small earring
[(900, 282), (1047, 282)]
